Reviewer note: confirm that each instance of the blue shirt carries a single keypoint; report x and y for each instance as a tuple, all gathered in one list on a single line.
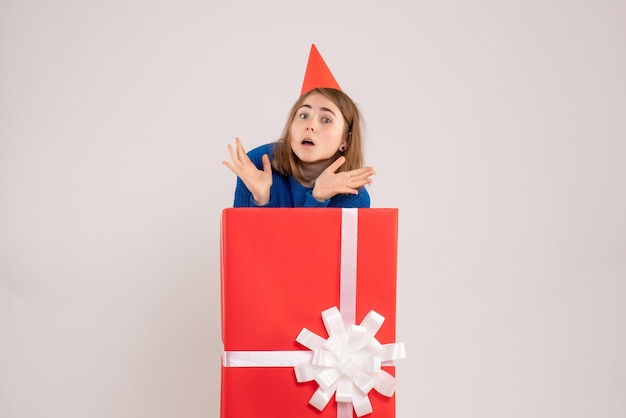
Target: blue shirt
[(286, 192)]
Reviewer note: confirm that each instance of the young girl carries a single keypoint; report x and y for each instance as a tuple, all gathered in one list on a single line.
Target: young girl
[(318, 161)]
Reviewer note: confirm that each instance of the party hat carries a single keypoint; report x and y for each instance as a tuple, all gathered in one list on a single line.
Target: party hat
[(317, 73)]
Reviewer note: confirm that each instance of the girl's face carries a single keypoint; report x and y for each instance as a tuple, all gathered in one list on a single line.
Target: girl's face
[(317, 131)]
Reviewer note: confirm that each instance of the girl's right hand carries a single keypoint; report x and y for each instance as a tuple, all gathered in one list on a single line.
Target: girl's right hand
[(257, 181)]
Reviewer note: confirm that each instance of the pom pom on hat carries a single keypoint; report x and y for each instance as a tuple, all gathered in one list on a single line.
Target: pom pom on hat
[(317, 73)]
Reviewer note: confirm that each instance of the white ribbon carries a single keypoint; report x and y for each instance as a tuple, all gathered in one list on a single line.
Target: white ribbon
[(347, 363), (265, 358), (347, 289)]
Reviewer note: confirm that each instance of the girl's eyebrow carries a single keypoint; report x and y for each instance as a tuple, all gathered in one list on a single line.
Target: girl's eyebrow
[(324, 109), (328, 110)]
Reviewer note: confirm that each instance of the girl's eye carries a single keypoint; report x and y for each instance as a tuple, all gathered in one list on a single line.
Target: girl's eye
[(303, 116), (326, 120)]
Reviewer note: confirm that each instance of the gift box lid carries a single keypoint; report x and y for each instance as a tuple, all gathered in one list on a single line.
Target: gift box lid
[(281, 268)]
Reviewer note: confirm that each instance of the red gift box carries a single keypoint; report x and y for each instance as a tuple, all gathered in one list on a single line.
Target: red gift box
[(280, 269)]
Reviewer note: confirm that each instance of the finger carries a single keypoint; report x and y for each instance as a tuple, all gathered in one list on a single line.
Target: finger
[(363, 171), (336, 164), (267, 166), (348, 190), (229, 165), (354, 185), (231, 151), (241, 152), (359, 180), (363, 178)]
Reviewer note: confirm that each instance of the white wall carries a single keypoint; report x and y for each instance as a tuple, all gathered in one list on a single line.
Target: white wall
[(497, 128)]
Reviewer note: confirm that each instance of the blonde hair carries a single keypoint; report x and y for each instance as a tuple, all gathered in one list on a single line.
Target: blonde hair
[(288, 164)]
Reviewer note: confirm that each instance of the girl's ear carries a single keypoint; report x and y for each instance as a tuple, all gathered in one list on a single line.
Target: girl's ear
[(344, 142)]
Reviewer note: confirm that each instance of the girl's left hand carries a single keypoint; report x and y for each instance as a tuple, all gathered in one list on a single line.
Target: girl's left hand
[(330, 183)]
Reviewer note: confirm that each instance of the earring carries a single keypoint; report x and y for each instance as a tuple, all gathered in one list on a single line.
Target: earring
[(342, 148)]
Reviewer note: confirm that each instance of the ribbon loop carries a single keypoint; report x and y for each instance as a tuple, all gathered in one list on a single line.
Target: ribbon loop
[(344, 390), (357, 338), (385, 383), (335, 344), (333, 321), (327, 378), (310, 340), (323, 358), (373, 364), (364, 382), (305, 372), (392, 352), (321, 398), (362, 405), (373, 321)]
